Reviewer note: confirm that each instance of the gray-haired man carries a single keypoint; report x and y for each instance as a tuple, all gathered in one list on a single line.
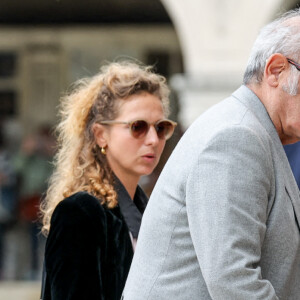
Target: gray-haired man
[(223, 220)]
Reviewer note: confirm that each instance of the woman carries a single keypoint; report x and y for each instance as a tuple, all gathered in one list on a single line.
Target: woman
[(113, 131)]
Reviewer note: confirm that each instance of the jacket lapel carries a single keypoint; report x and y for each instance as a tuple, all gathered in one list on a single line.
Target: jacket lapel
[(250, 100)]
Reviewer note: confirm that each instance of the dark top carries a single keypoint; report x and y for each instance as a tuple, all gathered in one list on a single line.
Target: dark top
[(293, 154), (89, 250)]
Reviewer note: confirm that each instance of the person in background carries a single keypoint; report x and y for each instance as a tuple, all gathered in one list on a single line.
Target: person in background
[(113, 130), (8, 197), (223, 219), (293, 154), (33, 167)]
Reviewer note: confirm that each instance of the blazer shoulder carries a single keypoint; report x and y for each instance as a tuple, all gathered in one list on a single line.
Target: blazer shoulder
[(80, 206), (81, 199)]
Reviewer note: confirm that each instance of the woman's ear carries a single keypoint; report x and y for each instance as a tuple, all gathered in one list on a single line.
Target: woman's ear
[(275, 65), (99, 132)]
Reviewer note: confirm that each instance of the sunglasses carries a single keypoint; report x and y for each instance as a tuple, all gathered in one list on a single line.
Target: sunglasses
[(139, 128)]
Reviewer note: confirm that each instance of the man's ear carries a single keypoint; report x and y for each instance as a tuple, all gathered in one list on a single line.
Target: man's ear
[(275, 65), (99, 132)]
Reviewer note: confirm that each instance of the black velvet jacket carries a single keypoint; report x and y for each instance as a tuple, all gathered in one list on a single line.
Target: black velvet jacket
[(89, 251)]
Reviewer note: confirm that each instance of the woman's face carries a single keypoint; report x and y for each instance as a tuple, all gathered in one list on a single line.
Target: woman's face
[(129, 157)]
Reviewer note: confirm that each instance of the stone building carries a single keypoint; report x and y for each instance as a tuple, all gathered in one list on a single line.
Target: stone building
[(201, 46)]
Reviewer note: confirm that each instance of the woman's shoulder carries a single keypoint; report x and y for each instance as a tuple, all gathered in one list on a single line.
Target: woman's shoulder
[(82, 199), (77, 220), (80, 205)]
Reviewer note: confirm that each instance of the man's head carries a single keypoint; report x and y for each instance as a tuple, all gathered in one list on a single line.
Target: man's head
[(273, 73), (280, 36)]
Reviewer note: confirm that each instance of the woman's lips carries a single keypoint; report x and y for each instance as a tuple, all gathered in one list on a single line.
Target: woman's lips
[(149, 157)]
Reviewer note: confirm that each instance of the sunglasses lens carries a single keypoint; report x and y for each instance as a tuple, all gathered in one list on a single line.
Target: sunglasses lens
[(164, 129), (139, 128)]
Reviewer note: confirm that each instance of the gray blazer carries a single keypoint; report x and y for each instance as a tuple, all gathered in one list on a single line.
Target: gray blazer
[(223, 219)]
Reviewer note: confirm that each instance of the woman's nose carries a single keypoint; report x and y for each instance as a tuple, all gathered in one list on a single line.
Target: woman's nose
[(151, 136)]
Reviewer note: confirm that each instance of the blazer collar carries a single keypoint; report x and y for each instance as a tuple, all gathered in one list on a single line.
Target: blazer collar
[(253, 103), (131, 210)]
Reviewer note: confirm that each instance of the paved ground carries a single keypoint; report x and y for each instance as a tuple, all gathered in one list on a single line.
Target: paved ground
[(20, 290)]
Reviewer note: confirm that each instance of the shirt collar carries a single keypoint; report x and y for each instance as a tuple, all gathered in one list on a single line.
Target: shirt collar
[(131, 210)]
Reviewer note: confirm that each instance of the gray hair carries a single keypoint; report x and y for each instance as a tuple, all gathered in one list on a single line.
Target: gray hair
[(291, 86), (280, 36)]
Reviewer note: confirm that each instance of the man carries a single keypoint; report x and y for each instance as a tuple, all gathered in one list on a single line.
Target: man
[(223, 220)]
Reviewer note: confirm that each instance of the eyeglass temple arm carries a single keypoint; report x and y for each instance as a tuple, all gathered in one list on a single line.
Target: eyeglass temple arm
[(294, 63), (113, 122)]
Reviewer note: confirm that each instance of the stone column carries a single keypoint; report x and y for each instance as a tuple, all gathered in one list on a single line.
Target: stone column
[(216, 38)]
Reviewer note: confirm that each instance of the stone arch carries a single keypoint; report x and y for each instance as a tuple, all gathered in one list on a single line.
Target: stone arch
[(216, 38)]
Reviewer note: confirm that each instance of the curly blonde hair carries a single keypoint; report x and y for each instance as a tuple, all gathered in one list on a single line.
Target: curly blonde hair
[(79, 165)]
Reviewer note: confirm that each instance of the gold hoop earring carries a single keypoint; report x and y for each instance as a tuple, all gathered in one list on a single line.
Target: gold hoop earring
[(103, 151)]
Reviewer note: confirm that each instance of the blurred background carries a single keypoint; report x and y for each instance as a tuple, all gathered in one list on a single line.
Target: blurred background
[(201, 47)]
